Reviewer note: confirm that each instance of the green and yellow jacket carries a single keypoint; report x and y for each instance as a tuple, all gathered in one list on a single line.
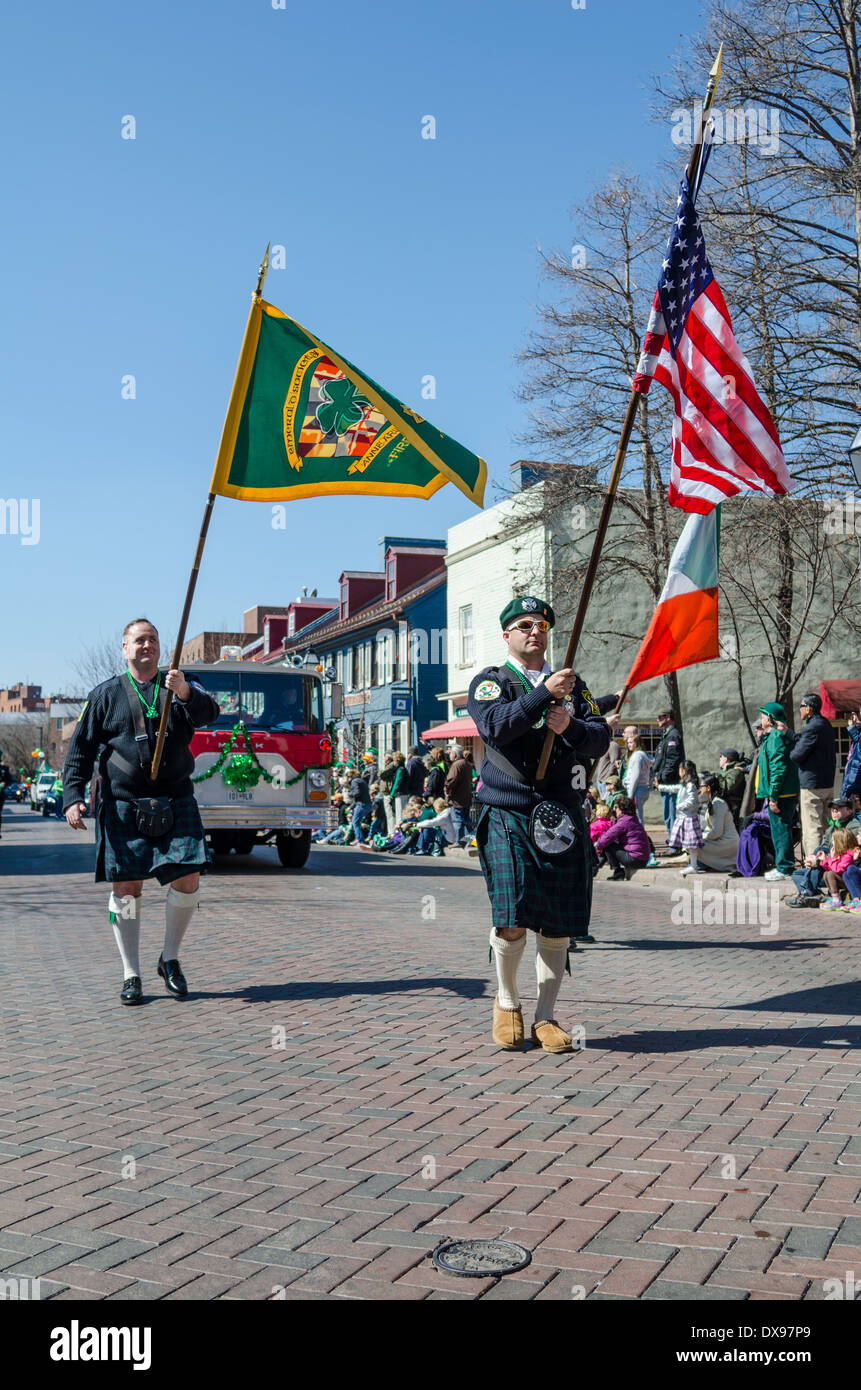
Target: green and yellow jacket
[(778, 774)]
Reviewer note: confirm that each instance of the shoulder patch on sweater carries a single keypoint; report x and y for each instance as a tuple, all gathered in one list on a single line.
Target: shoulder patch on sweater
[(587, 696), (488, 690)]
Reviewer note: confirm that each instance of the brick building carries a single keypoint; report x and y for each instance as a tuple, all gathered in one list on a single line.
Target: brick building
[(22, 699)]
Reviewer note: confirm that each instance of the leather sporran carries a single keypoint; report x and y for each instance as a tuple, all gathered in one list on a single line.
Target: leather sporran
[(551, 829), (154, 816)]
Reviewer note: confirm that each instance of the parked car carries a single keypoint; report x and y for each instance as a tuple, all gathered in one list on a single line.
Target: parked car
[(52, 804), (39, 789)]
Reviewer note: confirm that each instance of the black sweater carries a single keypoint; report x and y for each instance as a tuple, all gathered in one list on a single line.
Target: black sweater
[(669, 753), (815, 752), (106, 727), (505, 714)]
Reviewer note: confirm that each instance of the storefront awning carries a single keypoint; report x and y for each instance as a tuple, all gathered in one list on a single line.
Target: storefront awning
[(455, 728), (840, 698)]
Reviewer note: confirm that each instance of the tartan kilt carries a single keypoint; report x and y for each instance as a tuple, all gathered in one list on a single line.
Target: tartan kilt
[(547, 893), (122, 853), (687, 833)]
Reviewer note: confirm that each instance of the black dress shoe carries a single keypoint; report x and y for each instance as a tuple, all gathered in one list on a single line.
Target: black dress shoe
[(173, 977), (132, 992)]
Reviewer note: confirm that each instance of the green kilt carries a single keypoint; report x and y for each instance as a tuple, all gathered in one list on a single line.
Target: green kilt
[(547, 893), (122, 853)]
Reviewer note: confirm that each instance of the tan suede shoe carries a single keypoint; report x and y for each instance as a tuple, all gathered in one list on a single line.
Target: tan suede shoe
[(547, 1034), (508, 1027)]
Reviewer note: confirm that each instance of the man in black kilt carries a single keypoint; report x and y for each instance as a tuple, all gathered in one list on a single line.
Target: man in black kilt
[(118, 727), (550, 894)]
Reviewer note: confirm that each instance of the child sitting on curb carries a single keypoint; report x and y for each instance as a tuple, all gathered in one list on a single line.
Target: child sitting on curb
[(614, 791), (438, 829), (852, 880), (603, 821), (844, 847)]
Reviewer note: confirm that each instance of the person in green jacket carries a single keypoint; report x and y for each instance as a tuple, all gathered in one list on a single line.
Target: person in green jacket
[(732, 780), (778, 783), (400, 786)]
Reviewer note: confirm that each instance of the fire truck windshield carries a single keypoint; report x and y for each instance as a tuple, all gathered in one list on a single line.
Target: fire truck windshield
[(277, 700)]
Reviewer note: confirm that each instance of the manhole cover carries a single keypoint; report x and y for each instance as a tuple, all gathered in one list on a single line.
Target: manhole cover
[(475, 1259)]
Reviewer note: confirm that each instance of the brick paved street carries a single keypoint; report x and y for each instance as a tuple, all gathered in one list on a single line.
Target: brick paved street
[(704, 1144)]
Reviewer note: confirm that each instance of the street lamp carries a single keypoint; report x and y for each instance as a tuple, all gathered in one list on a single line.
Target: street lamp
[(855, 461)]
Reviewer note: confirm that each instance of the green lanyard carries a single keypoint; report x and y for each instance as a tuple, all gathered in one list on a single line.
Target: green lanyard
[(151, 711), (539, 724), (520, 676)]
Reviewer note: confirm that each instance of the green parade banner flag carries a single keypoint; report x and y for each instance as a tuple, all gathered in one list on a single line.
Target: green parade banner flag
[(304, 422)]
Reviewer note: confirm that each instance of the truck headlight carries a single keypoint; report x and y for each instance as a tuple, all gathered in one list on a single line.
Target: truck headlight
[(318, 778)]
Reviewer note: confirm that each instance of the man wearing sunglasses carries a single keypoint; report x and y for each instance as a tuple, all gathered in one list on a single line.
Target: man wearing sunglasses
[(513, 705)]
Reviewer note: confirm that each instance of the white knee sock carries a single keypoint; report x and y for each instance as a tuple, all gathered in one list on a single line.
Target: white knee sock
[(550, 957), (177, 915), (694, 857), (507, 955), (126, 922)]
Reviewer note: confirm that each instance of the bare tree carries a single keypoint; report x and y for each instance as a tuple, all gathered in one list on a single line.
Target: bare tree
[(580, 363), (759, 541), (98, 662), (783, 224), (18, 739), (790, 174), (782, 207), (104, 659)]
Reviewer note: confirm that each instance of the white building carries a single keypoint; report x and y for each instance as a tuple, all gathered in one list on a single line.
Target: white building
[(486, 566)]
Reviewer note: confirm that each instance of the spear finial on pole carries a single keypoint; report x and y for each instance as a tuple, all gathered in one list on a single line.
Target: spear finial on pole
[(711, 90), (261, 275)]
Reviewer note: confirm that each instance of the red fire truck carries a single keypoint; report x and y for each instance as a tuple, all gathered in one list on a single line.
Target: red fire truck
[(275, 785)]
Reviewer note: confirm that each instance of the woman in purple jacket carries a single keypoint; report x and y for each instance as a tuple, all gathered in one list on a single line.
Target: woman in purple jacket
[(626, 843)]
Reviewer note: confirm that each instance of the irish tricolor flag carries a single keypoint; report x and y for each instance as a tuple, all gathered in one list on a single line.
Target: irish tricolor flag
[(684, 626)]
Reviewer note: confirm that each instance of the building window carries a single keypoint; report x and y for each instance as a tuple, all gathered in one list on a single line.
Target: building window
[(390, 578), (374, 655), (467, 639), (291, 623), (402, 666), (844, 745), (355, 668), (345, 596), (650, 737), (395, 743), (386, 656)]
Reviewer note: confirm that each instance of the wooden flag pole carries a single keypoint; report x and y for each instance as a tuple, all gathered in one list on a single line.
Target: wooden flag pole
[(621, 450), (228, 438)]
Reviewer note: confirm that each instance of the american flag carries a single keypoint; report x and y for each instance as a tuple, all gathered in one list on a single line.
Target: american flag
[(724, 440)]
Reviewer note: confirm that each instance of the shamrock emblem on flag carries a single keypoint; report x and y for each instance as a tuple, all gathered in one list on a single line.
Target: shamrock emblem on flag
[(341, 406)]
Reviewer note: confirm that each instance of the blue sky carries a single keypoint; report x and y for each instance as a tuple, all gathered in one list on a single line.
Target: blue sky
[(410, 256)]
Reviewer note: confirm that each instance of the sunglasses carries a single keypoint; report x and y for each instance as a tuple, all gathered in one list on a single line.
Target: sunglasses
[(527, 624)]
